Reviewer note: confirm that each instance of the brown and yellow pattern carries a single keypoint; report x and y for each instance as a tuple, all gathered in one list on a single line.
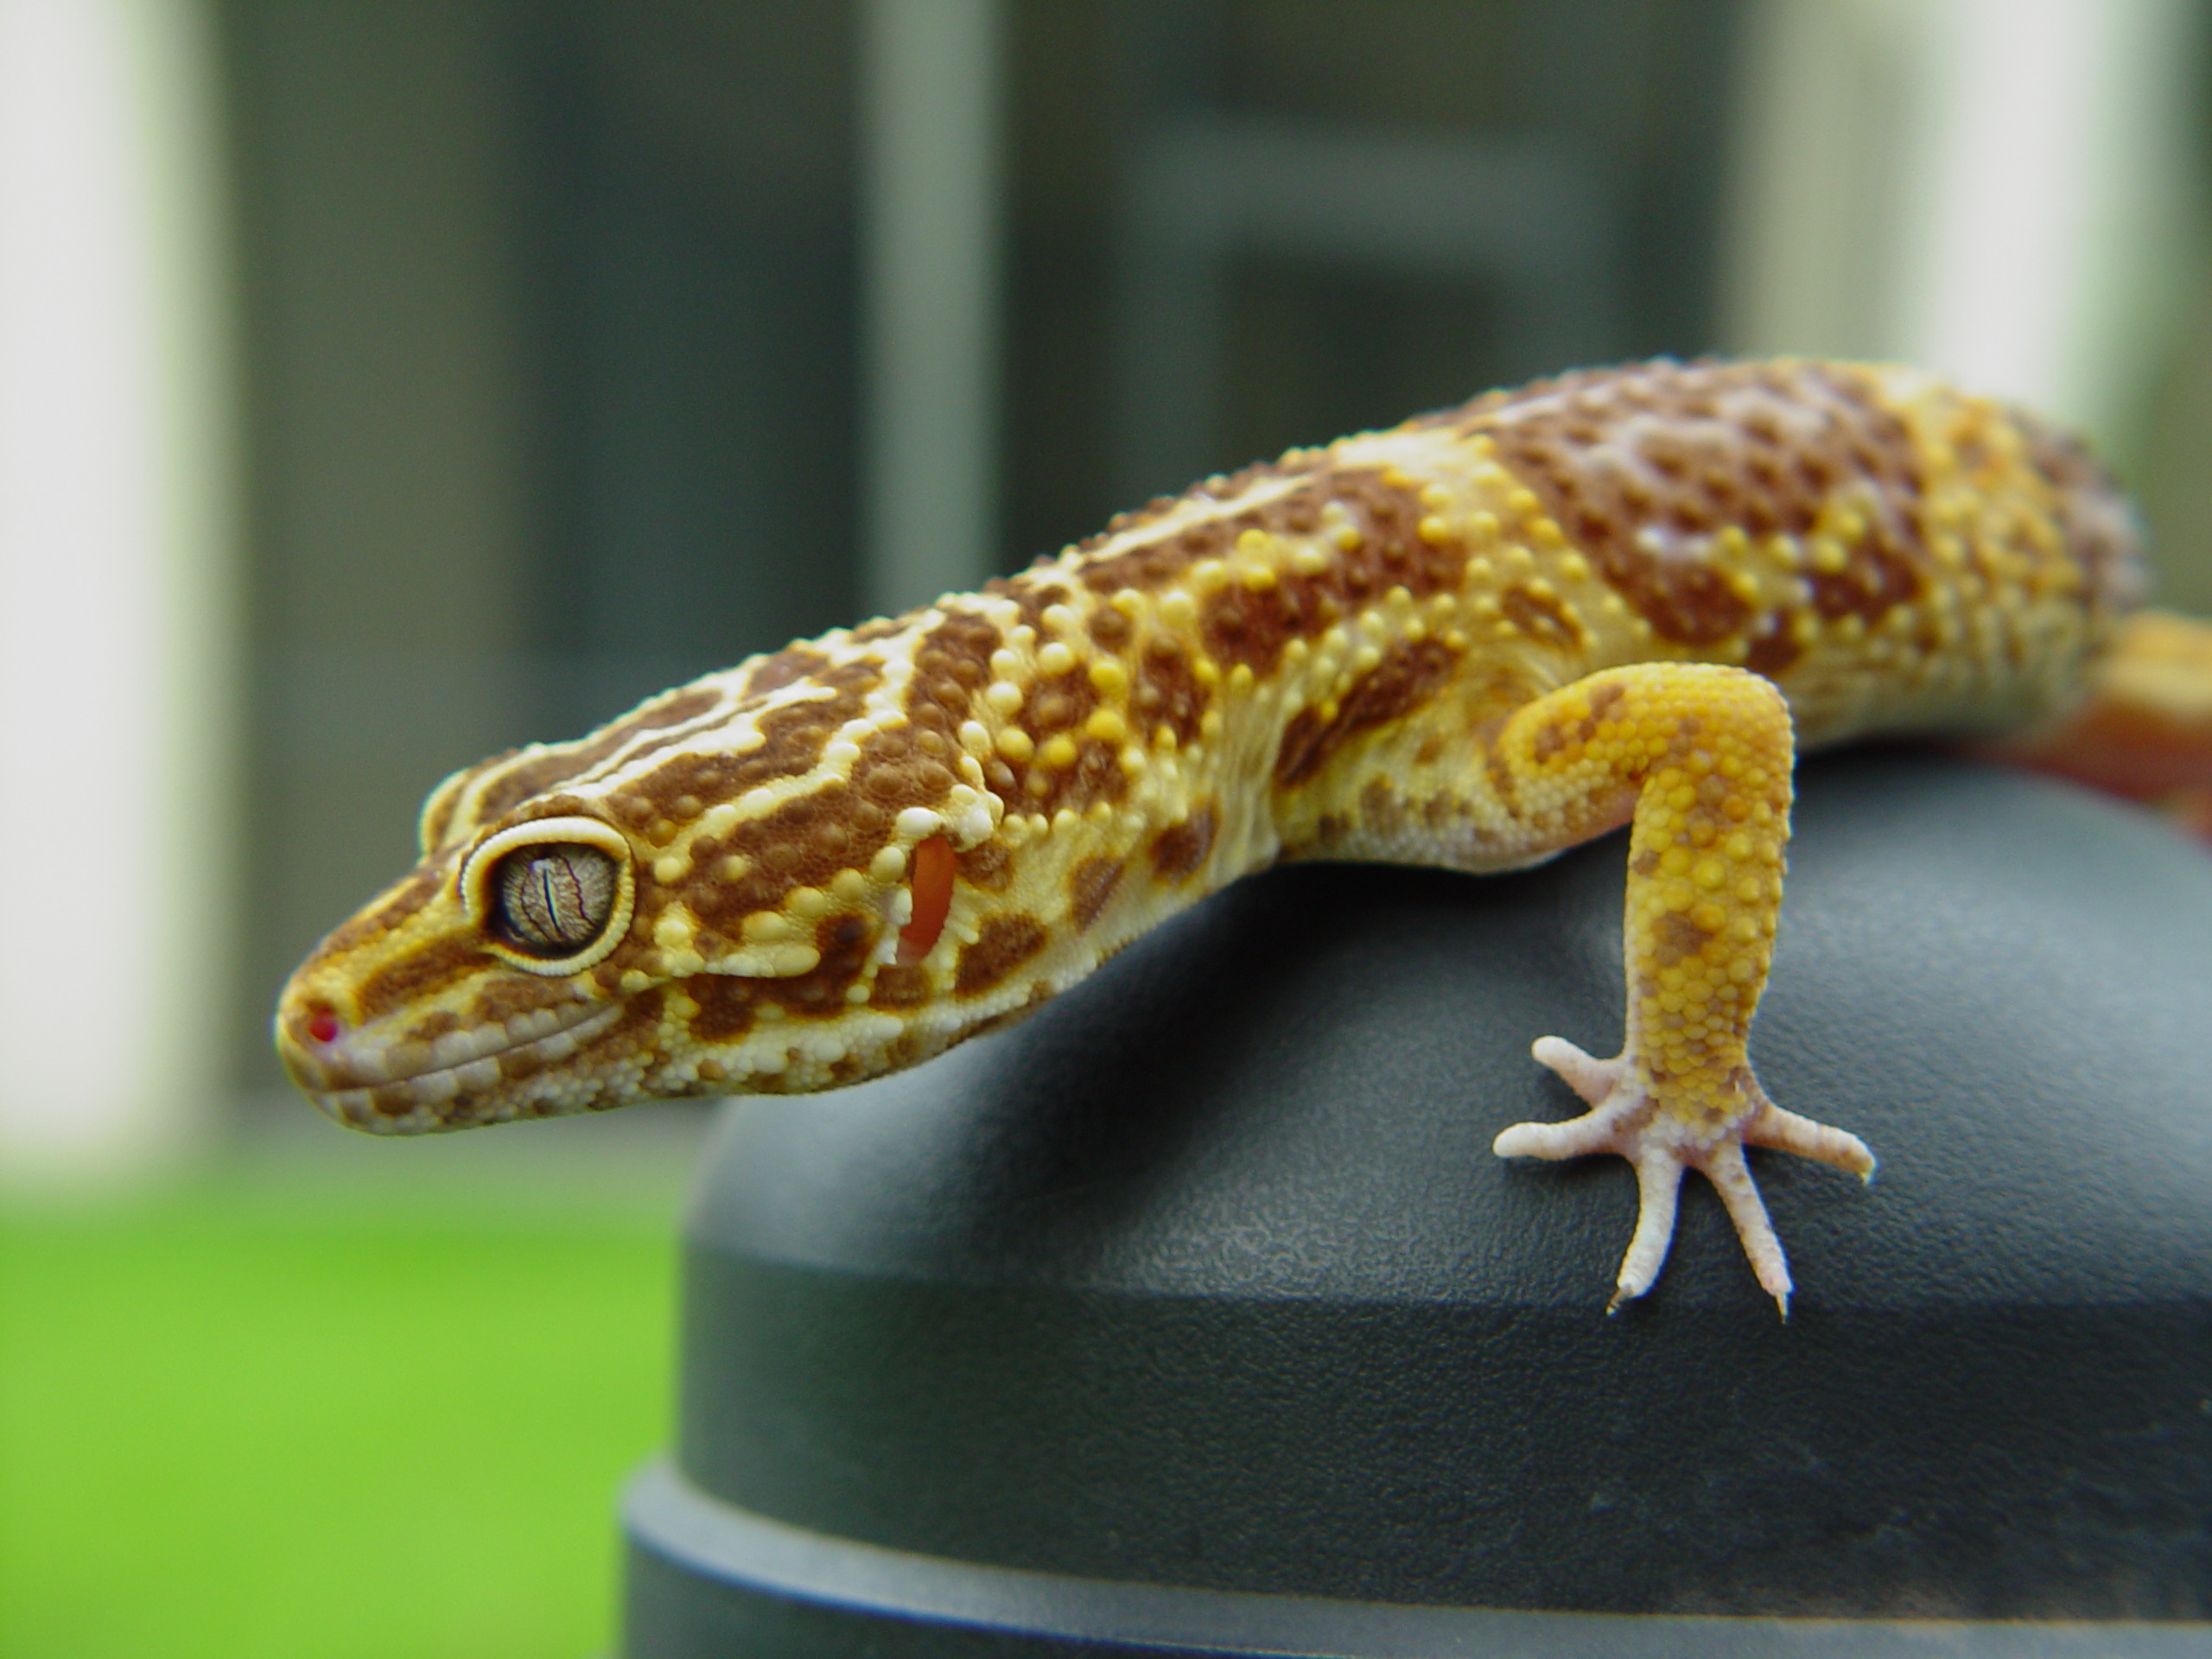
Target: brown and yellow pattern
[(1472, 641)]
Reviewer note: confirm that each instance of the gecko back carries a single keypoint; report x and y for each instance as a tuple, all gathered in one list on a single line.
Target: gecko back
[(1473, 640)]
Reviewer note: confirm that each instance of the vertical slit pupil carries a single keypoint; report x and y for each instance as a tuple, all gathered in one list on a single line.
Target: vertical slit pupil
[(555, 899)]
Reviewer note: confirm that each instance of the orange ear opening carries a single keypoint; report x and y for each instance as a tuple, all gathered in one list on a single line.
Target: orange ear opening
[(933, 869)]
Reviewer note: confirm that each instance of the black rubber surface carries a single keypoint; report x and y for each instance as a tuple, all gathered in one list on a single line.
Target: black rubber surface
[(1206, 1275)]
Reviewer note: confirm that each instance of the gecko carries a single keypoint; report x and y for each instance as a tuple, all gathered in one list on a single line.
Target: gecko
[(1626, 595)]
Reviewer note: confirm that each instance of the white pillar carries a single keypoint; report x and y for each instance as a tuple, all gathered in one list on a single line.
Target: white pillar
[(1999, 190), (2049, 207), (117, 587), (929, 226)]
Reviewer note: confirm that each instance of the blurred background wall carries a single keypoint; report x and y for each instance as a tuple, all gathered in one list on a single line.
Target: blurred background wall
[(575, 347), (122, 662)]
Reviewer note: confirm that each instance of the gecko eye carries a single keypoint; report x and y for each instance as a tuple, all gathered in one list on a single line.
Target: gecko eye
[(553, 900), (552, 896)]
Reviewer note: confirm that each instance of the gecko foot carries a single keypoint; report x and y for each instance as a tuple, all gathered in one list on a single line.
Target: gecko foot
[(1628, 1117)]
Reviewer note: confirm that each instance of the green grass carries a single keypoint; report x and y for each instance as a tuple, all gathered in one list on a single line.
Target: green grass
[(303, 1419)]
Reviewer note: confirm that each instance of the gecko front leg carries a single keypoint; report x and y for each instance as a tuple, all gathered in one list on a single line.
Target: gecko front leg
[(1705, 754)]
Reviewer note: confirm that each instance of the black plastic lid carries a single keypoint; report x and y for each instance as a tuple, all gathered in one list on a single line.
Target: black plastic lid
[(1206, 1278)]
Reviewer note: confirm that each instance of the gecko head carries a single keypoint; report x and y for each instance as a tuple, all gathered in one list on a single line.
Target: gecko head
[(467, 979), (643, 914)]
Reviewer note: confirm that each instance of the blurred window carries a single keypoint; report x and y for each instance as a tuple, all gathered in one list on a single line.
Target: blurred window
[(559, 369)]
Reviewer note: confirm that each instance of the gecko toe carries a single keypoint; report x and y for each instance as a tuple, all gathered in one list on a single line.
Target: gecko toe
[(1630, 1117)]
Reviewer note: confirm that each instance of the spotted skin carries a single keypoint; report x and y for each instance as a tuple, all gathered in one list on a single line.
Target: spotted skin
[(1624, 596)]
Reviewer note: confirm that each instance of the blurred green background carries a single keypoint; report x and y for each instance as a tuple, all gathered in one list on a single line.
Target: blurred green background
[(290, 1409), (384, 383)]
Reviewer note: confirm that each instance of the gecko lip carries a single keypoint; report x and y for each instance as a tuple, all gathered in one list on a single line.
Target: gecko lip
[(345, 1078)]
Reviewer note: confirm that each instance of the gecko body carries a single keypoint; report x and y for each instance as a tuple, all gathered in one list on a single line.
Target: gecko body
[(1624, 596)]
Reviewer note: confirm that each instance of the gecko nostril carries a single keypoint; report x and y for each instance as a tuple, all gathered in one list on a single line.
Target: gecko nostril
[(324, 1028)]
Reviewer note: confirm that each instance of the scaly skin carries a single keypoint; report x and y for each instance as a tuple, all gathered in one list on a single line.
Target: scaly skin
[(1473, 641)]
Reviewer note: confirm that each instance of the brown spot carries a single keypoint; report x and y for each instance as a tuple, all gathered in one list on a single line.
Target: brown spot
[(519, 1064), (1443, 812), (1090, 885), (727, 1005), (387, 913), (436, 965), (1555, 736), (1240, 626), (1390, 552), (1180, 850), (1097, 775), (1673, 936), (1401, 683), (844, 942), (794, 663), (1505, 788), (433, 1025), (895, 772), (1054, 704), (988, 865), (558, 805), (1168, 692), (634, 1032), (504, 995), (1243, 626), (1109, 627), (1380, 807), (1052, 707), (677, 708), (793, 736), (804, 843), (1541, 618), (951, 664), (2093, 514), (393, 1100), (1775, 648), (1670, 450), (1032, 592), (508, 781), (1149, 564), (1003, 943), (899, 985), (513, 778)]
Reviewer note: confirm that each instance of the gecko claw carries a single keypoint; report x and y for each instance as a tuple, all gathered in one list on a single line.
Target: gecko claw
[(1628, 1118)]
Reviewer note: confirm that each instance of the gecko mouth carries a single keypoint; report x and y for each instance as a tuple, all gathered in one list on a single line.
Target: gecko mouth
[(359, 1082)]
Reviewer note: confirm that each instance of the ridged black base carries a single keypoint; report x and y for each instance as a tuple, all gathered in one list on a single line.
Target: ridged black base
[(1204, 1283), (707, 1578)]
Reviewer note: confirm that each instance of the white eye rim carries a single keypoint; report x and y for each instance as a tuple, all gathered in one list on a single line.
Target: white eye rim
[(477, 900)]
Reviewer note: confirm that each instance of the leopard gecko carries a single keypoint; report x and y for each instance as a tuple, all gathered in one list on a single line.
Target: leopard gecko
[(1625, 595)]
